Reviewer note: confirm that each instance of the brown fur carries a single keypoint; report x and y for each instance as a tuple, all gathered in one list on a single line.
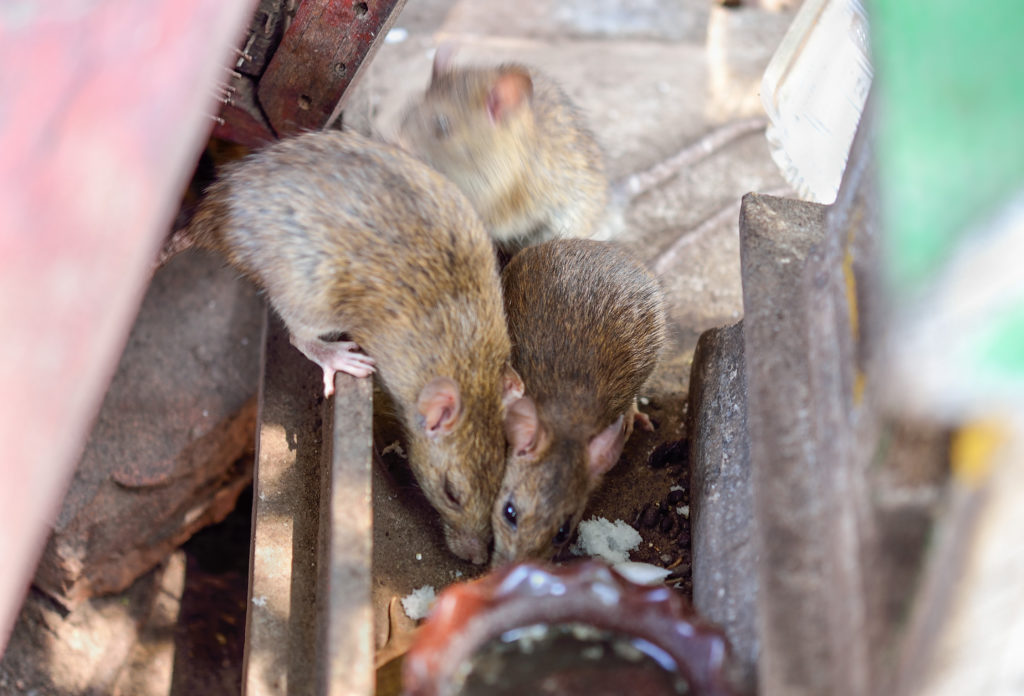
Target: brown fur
[(587, 323), (349, 235), (535, 173)]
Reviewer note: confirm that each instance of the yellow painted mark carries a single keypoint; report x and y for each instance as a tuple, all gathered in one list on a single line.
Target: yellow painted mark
[(859, 379), (973, 450), (851, 286)]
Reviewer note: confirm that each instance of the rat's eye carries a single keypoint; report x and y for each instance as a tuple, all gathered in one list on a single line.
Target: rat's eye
[(450, 493), (511, 514), (442, 129), (562, 535)]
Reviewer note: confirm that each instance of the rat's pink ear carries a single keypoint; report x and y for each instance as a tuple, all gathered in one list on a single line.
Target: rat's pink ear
[(443, 59), (512, 88), (604, 449), (440, 406), (512, 386), (523, 428)]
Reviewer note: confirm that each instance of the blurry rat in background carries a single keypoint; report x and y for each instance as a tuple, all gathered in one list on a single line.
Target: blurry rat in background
[(515, 144), (587, 323)]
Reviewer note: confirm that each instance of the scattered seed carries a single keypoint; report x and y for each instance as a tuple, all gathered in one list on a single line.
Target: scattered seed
[(669, 453), (666, 524), (651, 515)]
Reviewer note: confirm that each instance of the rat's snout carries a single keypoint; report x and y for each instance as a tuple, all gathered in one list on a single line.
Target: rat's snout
[(468, 546)]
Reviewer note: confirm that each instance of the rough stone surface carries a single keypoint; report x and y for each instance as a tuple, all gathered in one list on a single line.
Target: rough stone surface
[(53, 652), (777, 236), (166, 454), (722, 497), (814, 529), (651, 20)]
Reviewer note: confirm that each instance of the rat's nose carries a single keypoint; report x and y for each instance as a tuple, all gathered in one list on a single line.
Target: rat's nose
[(468, 547)]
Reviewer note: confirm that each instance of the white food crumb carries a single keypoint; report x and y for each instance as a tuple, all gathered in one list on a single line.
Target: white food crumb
[(609, 541), (419, 557), (458, 573), (676, 488), (260, 601), (417, 604), (683, 510), (396, 35), (644, 401), (642, 573)]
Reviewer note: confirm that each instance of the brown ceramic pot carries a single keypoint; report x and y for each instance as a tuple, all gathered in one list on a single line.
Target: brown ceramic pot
[(578, 629)]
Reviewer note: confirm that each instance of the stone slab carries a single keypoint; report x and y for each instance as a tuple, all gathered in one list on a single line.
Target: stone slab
[(811, 442), (777, 238), (722, 497), (167, 454), (87, 650)]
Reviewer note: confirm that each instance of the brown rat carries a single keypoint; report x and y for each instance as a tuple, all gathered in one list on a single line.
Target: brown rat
[(348, 235), (587, 322), (514, 143)]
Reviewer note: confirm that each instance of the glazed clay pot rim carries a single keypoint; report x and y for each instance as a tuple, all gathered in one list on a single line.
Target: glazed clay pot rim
[(467, 616)]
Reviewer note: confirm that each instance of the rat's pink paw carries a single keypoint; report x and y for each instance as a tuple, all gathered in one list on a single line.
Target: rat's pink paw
[(342, 357), (351, 362), (334, 357)]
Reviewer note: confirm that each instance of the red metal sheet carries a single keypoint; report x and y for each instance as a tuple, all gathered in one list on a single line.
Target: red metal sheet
[(105, 107), (320, 55)]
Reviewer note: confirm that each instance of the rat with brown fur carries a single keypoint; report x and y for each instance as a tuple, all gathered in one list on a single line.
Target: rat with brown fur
[(347, 235), (515, 144), (587, 322)]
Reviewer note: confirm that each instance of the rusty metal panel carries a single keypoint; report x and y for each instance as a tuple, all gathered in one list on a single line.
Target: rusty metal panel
[(281, 628), (241, 119), (321, 54)]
